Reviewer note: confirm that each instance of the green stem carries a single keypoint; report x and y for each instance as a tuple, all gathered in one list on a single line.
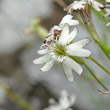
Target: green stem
[(93, 32), (99, 43), (96, 78), (97, 39), (99, 64), (41, 31), (22, 103), (61, 3), (87, 18)]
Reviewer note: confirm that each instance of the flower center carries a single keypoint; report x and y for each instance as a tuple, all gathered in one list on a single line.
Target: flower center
[(60, 50)]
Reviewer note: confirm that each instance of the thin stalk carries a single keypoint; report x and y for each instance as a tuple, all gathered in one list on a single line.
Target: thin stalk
[(93, 32), (61, 3), (99, 65), (97, 39), (87, 18), (96, 78), (104, 50), (22, 103), (41, 31)]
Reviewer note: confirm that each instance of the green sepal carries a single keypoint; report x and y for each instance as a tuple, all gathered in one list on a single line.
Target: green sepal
[(78, 60)]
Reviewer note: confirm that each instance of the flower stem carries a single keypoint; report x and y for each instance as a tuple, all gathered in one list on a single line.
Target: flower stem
[(87, 18), (99, 65), (61, 3), (97, 39), (99, 43), (22, 103), (36, 27), (96, 77)]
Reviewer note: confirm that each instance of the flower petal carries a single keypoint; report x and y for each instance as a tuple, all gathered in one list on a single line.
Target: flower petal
[(73, 65), (78, 5), (107, 1), (48, 65), (96, 5), (79, 44), (68, 72), (42, 52), (108, 24), (68, 19), (42, 59), (64, 35), (72, 35), (79, 52)]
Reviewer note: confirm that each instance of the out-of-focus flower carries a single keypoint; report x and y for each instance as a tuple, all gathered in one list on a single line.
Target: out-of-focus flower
[(108, 23), (61, 49), (107, 10), (64, 103), (107, 1), (95, 4), (76, 5), (79, 5)]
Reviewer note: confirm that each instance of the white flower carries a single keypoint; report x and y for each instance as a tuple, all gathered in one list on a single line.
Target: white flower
[(56, 30), (61, 50), (107, 1), (107, 10), (95, 4), (64, 103), (79, 5), (68, 19), (76, 5), (108, 24)]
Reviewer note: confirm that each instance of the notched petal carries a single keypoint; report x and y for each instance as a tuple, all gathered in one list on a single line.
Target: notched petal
[(68, 72), (73, 65), (42, 52), (48, 66), (72, 35), (79, 44), (42, 59)]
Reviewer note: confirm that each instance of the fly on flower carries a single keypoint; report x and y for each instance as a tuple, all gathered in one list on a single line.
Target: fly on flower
[(61, 50)]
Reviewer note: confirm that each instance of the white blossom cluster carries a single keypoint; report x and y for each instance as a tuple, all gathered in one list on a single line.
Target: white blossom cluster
[(60, 46), (65, 102), (80, 5)]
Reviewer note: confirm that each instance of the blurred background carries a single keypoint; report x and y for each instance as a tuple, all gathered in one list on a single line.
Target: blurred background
[(20, 78)]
